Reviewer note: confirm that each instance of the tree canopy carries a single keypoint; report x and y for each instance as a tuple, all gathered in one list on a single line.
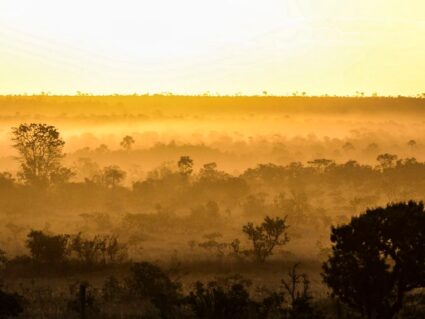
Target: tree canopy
[(377, 258), (40, 152)]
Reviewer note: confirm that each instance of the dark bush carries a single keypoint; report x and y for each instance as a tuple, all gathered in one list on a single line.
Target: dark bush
[(149, 282), (46, 248), (11, 305)]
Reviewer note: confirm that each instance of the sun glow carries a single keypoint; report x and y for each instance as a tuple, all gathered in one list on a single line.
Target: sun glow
[(224, 46)]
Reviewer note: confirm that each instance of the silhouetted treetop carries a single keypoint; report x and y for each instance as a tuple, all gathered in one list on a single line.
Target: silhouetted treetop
[(377, 258), (40, 152)]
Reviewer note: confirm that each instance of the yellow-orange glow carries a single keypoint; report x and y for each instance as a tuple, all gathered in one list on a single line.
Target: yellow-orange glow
[(225, 46)]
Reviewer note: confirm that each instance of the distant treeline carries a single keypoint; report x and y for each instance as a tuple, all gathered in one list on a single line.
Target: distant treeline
[(171, 104)]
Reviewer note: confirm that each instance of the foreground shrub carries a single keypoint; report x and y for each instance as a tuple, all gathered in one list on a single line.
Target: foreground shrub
[(11, 305), (149, 282)]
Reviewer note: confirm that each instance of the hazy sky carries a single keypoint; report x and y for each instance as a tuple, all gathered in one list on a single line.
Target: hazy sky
[(225, 46)]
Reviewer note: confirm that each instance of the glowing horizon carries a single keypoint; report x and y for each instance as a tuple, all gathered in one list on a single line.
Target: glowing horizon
[(223, 46)]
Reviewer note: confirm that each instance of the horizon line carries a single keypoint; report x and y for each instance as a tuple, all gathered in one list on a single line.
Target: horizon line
[(265, 94)]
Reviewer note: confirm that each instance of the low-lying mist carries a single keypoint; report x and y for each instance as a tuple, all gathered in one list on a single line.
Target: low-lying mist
[(188, 182)]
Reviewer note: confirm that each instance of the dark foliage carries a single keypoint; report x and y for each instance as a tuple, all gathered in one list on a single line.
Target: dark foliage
[(150, 282), (377, 258), (11, 305), (214, 301), (47, 249), (40, 150), (265, 237)]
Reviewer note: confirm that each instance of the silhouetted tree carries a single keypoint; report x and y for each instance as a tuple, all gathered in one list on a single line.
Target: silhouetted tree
[(98, 249), (297, 287), (213, 301), (377, 258), (46, 248), (149, 282), (411, 143), (102, 148), (83, 302), (265, 237), (386, 160), (321, 164), (112, 176), (61, 176), (208, 171), (348, 147), (127, 142), (40, 152), (185, 165)]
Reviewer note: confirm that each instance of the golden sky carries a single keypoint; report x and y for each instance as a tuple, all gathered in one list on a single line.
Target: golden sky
[(224, 46)]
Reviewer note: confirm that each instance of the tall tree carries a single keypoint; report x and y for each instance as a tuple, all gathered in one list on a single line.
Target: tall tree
[(377, 258), (112, 176), (185, 165), (40, 152), (386, 161), (127, 142)]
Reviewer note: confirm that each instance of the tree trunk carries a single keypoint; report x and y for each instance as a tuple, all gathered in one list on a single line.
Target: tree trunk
[(83, 301)]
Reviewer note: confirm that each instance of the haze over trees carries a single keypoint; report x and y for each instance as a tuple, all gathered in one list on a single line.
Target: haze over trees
[(227, 219)]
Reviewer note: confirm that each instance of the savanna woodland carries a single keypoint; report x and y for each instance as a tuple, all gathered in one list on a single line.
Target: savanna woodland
[(212, 159), (176, 207)]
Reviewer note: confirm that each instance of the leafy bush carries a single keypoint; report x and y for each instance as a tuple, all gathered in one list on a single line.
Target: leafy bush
[(266, 237), (49, 249), (149, 282)]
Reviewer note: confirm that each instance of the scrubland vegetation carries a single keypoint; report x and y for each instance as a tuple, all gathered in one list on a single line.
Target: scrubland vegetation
[(212, 207)]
